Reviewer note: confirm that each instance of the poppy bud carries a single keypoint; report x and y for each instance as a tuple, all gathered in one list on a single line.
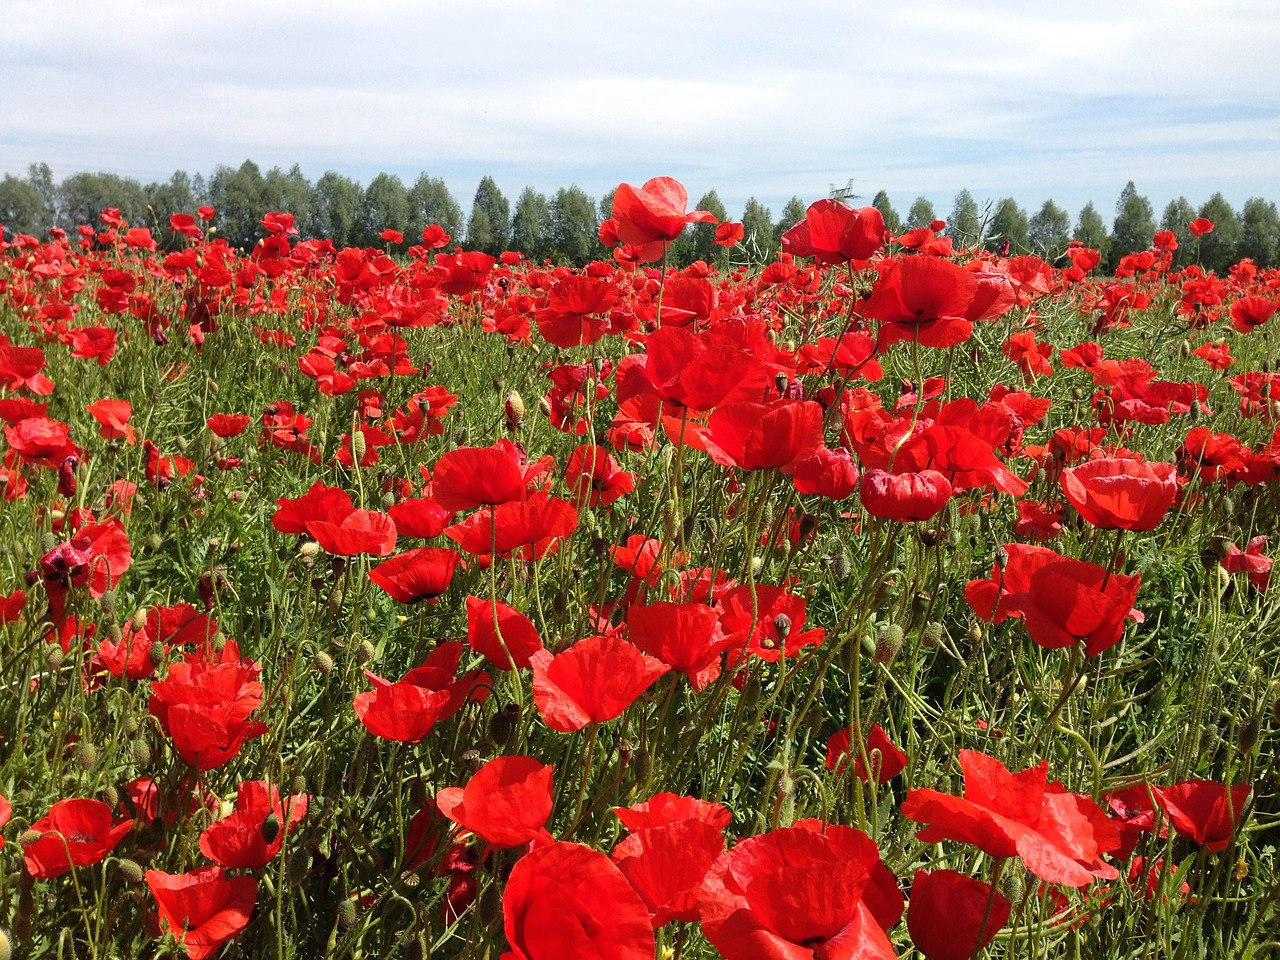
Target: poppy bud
[(48, 542), (270, 828), (1209, 737), (782, 624), (975, 634), (86, 755), (1184, 349), (297, 866), (931, 635), (131, 728), (298, 784), (156, 654), (502, 726), (515, 410), (489, 907), (53, 656), (114, 633), (544, 407), (129, 869), (107, 602), (323, 663), (388, 500), (359, 446), (367, 652), (888, 644), (689, 527), (669, 521), (347, 914), (842, 565), (560, 603), (141, 751), (1247, 739), (112, 797), (28, 837), (6, 949), (154, 542), (1227, 506), (1013, 881)]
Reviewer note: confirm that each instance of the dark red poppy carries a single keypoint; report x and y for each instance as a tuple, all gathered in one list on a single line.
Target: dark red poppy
[(906, 497), (421, 574), (1116, 494), (593, 681), (243, 839), (507, 640), (203, 908), (760, 436), (204, 708), (794, 893), (834, 232), (685, 636), (1059, 836), (564, 901), (74, 833), (1204, 810), (667, 864), (505, 803), (887, 761), (470, 477), (953, 916)]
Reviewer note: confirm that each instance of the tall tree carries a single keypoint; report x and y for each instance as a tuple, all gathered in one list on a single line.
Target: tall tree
[(431, 202), (386, 207), (1009, 224), (237, 196), (892, 222), (574, 227), (921, 213), (1176, 217), (704, 234), (1260, 232), (335, 212), (166, 199), (83, 196), (757, 230), (22, 208), (289, 192), (964, 225), (531, 225), (792, 214), (1220, 249), (1091, 230), (489, 228), (41, 177), (1134, 226), (606, 205), (1050, 231)]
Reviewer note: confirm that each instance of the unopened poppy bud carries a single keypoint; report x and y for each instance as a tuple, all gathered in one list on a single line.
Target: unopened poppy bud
[(129, 869), (107, 602), (842, 564), (347, 915), (156, 654), (86, 755), (1209, 737), (131, 727), (28, 837), (501, 728), (1013, 882), (1184, 349), (367, 652), (975, 634), (270, 828), (1248, 736), (689, 526), (6, 948), (111, 796), (359, 446), (114, 633), (931, 635), (298, 784), (48, 542), (544, 407), (888, 644), (297, 866), (388, 500), (154, 542), (141, 751), (782, 624), (323, 663), (53, 656), (560, 603), (515, 410)]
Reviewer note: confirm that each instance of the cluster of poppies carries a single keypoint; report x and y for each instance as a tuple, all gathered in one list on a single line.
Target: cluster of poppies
[(565, 633)]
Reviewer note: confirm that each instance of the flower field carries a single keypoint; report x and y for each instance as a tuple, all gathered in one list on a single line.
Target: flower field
[(891, 600)]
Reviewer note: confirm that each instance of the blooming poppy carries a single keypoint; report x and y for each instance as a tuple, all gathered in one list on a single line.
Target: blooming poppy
[(664, 808), (653, 213), (420, 574), (593, 681), (506, 638), (421, 517), (1058, 835), (113, 419), (405, 710), (1204, 810), (74, 833), (526, 528), (887, 761), (470, 477), (952, 916), (728, 234), (766, 621), (906, 497), (1121, 494), (505, 803), (318, 503), (204, 709), (834, 232), (685, 636), (95, 343), (760, 436), (666, 865), (595, 477), (923, 299), (564, 901), (826, 472), (1250, 312), (203, 908), (1200, 226), (243, 840), (360, 531), (1249, 561)]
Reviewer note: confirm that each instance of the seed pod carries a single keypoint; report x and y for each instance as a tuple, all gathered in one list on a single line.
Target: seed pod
[(367, 652), (501, 728), (111, 796), (347, 915), (48, 542), (388, 500), (141, 751), (86, 755), (842, 564), (975, 634), (931, 634), (53, 656), (114, 633), (1248, 736), (888, 644), (323, 663), (489, 906)]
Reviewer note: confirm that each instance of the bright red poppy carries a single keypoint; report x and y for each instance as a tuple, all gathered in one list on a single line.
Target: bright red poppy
[(420, 574), (834, 232), (826, 472), (593, 681), (564, 901), (470, 477), (203, 908), (952, 916), (505, 803), (906, 497), (664, 808), (654, 213), (1121, 494), (1204, 810), (74, 833), (685, 636), (667, 864), (405, 710), (923, 299), (113, 419), (506, 639), (1250, 312), (204, 709), (765, 621), (595, 477), (524, 528), (244, 840), (887, 761), (1200, 226), (360, 531), (761, 436), (422, 517)]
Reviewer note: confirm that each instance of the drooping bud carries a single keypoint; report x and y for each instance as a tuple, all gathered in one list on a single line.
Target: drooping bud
[(270, 828), (888, 644), (129, 869)]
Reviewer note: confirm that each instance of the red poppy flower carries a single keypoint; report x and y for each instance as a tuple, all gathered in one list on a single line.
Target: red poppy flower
[(593, 681), (95, 343), (421, 574), (795, 893), (760, 436), (685, 636), (319, 503), (655, 213), (576, 310), (204, 708), (41, 441), (422, 518), (11, 605), (952, 916), (203, 908), (1200, 226), (664, 808), (525, 528), (510, 643), (767, 621), (113, 419), (1204, 810), (728, 234), (21, 366), (667, 864), (97, 556), (6, 811), (692, 369), (1121, 494), (505, 803), (924, 299), (74, 833), (887, 761), (471, 477), (1250, 561), (1250, 312), (407, 709), (906, 497), (1058, 835), (1069, 600), (569, 902), (834, 232), (827, 473), (595, 477), (243, 839)]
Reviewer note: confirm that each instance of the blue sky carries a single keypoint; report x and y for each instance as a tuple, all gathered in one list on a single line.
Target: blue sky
[(1030, 100)]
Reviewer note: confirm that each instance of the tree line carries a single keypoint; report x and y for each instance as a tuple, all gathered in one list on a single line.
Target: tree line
[(563, 227)]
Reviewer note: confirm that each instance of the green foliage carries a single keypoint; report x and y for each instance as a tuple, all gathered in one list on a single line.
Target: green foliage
[(1221, 248), (1134, 226), (336, 209), (964, 224), (574, 228), (22, 209), (386, 206), (239, 197), (921, 213), (757, 230), (1260, 232), (489, 228), (703, 234), (892, 221), (83, 196), (1049, 231), (431, 202), (1091, 230), (531, 225), (1009, 223), (792, 214)]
